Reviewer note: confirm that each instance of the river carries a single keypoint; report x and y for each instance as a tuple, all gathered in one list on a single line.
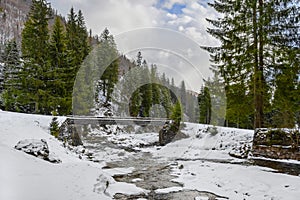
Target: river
[(153, 174)]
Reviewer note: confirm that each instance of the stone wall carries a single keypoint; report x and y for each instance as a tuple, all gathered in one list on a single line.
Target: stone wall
[(276, 152), (276, 143)]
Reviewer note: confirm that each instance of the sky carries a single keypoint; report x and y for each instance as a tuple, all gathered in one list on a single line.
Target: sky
[(169, 33)]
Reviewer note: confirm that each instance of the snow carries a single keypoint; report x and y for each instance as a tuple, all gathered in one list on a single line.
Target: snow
[(125, 138), (201, 144), (236, 181), (167, 190), (136, 180), (24, 176), (200, 162), (199, 166), (277, 160)]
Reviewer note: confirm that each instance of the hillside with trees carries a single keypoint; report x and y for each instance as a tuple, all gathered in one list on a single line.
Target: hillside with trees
[(42, 73), (255, 80)]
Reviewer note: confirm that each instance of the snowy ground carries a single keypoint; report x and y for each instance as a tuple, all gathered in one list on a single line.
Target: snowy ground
[(200, 162), (25, 177)]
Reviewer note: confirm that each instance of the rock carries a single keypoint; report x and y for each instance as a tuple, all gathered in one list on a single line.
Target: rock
[(168, 132), (37, 148), (240, 151)]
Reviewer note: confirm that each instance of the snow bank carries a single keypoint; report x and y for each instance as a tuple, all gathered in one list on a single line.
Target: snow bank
[(237, 181), (199, 166), (203, 143), (27, 177)]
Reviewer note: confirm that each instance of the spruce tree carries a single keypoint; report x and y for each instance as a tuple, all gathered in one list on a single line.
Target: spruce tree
[(109, 63), (166, 100), (58, 74), (216, 88), (146, 90), (82, 36), (204, 102), (250, 33), (176, 115), (35, 95), (183, 95), (77, 49), (155, 88), (54, 125), (76, 44), (11, 75), (286, 101)]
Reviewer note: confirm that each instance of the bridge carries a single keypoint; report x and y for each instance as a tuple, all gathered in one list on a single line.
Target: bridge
[(91, 120)]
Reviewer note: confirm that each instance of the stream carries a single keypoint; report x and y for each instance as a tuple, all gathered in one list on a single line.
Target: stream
[(152, 174), (149, 173)]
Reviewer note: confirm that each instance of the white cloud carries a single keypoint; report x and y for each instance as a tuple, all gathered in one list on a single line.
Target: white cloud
[(172, 16), (121, 16), (117, 15)]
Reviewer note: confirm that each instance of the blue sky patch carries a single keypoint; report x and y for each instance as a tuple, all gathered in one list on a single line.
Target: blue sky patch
[(176, 9)]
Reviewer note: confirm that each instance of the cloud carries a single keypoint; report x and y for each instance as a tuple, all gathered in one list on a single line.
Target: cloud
[(172, 16), (121, 16), (117, 15)]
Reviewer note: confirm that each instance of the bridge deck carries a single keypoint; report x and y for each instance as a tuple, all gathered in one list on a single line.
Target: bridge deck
[(115, 121)]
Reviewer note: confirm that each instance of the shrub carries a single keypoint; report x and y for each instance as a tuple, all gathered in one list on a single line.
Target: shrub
[(54, 127)]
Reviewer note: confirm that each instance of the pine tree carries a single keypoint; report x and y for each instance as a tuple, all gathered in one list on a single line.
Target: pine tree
[(286, 101), (11, 75), (77, 49), (136, 102), (76, 44), (58, 77), (109, 63), (183, 95), (166, 100), (54, 127), (83, 94), (173, 89), (176, 115), (192, 104), (146, 90), (216, 88), (139, 59), (204, 102), (35, 47), (249, 36), (83, 36), (155, 87)]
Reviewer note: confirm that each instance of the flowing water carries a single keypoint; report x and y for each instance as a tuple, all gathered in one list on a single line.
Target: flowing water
[(152, 174), (149, 173)]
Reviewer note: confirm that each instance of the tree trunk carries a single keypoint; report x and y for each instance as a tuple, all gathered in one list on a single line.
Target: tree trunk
[(261, 66), (258, 65)]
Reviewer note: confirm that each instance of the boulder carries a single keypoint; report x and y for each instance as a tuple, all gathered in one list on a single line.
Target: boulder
[(37, 148), (168, 132)]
